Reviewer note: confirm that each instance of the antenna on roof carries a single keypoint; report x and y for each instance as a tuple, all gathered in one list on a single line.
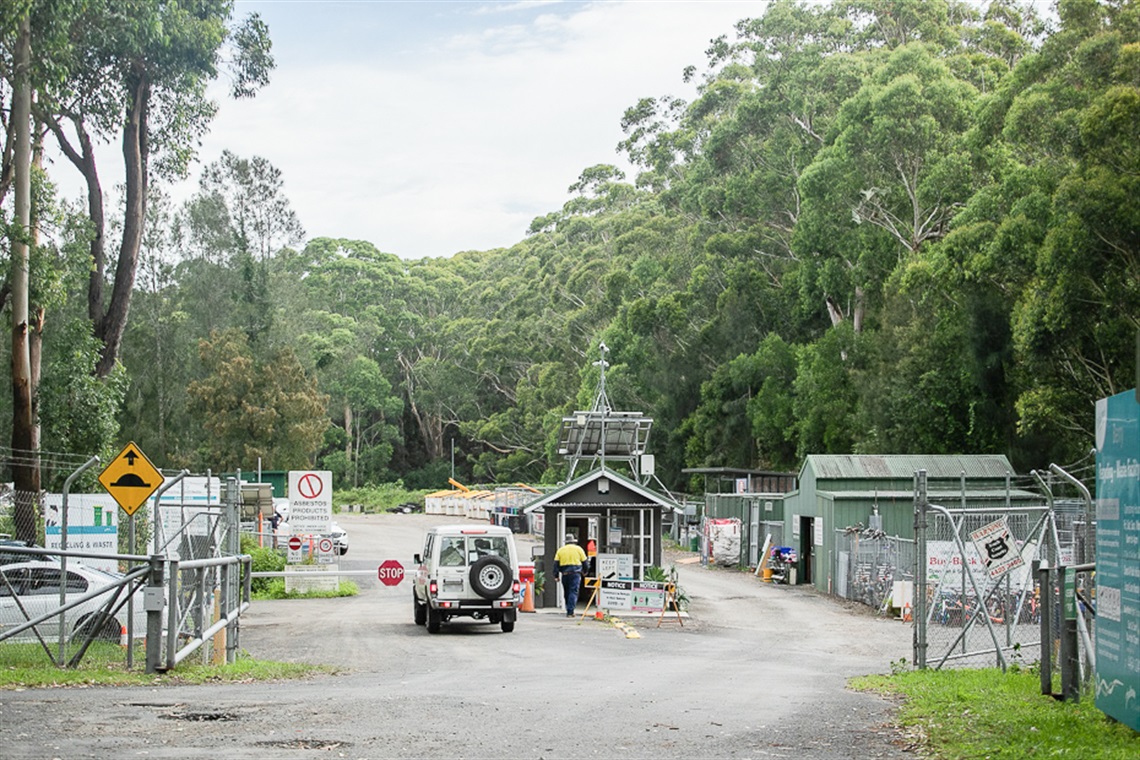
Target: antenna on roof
[(602, 434)]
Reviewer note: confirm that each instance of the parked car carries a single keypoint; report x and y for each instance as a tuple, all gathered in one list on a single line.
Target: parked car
[(7, 557), (467, 571), (339, 537), (36, 587)]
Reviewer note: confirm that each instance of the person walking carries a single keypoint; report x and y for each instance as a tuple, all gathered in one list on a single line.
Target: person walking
[(568, 562)]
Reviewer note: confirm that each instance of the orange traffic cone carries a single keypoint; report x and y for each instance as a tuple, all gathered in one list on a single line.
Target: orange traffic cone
[(123, 640), (528, 598), (907, 618)]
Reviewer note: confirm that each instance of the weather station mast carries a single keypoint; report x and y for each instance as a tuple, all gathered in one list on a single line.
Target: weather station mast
[(602, 437)]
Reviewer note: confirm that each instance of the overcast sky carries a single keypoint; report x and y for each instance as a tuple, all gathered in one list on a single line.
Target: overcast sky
[(428, 128)]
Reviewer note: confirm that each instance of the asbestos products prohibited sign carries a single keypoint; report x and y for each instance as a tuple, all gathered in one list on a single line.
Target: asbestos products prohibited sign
[(310, 501)]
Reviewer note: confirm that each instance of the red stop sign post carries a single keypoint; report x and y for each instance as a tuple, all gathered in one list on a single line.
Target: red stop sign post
[(390, 572)]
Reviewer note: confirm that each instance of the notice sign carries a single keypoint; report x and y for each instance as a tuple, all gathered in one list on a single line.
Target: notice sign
[(615, 594), (996, 545), (310, 501), (648, 596), (631, 595)]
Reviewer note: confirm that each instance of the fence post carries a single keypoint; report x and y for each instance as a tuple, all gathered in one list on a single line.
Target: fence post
[(153, 600), (1070, 653), (1044, 583), (919, 606)]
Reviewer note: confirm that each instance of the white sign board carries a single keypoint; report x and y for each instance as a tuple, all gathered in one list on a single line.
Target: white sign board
[(615, 566), (190, 506), (325, 551), (944, 564), (304, 578), (997, 548), (615, 594), (310, 501), (91, 526), (630, 595)]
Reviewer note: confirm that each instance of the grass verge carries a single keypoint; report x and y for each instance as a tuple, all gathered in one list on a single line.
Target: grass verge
[(274, 588), (25, 666), (987, 714)]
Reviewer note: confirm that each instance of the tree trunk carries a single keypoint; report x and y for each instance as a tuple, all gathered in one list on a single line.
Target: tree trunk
[(25, 470), (135, 150), (349, 438)]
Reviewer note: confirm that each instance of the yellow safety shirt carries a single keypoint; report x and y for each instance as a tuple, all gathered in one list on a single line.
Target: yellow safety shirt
[(570, 555)]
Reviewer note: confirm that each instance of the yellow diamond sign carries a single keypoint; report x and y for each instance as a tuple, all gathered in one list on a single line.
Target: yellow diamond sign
[(130, 478)]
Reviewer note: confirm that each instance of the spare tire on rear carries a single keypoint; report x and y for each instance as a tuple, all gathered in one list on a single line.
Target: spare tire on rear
[(491, 577)]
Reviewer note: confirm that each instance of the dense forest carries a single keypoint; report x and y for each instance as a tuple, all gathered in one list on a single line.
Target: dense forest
[(881, 226)]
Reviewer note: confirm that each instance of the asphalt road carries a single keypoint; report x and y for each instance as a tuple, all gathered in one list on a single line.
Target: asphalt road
[(756, 671)]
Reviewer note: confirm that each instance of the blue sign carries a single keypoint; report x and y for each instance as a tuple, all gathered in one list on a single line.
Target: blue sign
[(1118, 558)]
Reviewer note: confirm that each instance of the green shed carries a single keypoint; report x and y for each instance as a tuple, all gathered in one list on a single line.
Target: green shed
[(841, 492)]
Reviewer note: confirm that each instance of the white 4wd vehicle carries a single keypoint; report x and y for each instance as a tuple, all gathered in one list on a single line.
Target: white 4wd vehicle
[(467, 571)]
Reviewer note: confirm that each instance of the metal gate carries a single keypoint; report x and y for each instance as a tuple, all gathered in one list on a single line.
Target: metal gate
[(965, 614)]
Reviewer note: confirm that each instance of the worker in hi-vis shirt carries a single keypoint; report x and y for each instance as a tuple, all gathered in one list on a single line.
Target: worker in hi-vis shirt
[(568, 564)]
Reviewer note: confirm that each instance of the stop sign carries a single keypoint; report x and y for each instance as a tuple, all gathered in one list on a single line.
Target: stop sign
[(390, 572)]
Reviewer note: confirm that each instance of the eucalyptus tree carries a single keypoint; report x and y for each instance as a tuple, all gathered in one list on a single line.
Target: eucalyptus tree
[(25, 473), (159, 347), (343, 309), (248, 219), (139, 69), (1053, 233)]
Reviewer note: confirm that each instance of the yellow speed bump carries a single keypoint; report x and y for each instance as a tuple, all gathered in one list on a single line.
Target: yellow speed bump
[(629, 631)]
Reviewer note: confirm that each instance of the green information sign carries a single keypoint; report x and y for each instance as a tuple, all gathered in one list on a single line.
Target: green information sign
[(1118, 557)]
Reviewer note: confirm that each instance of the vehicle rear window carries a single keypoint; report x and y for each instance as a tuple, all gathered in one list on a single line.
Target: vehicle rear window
[(457, 551)]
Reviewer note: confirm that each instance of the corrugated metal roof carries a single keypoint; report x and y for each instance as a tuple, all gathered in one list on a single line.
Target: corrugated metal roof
[(945, 498), (903, 466)]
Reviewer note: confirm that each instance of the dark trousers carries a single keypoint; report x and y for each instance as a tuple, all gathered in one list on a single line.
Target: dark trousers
[(571, 582)]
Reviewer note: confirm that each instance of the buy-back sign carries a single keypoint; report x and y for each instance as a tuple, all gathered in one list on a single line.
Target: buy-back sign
[(997, 547)]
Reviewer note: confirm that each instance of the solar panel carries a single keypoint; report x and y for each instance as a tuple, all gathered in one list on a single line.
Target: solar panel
[(612, 434)]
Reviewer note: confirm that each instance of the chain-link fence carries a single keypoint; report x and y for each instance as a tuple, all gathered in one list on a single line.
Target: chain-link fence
[(869, 564), (979, 599)]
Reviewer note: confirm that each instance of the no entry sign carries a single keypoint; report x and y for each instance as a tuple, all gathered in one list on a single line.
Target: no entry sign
[(295, 543), (390, 572)]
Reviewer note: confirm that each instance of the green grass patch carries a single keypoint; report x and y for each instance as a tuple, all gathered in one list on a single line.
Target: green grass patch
[(988, 714), (274, 588), (25, 666)]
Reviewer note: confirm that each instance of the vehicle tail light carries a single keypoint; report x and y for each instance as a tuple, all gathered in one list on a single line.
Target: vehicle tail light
[(447, 604), (516, 587), (506, 603), (433, 588)]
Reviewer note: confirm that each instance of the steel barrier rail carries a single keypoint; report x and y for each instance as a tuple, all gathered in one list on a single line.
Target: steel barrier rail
[(295, 574), (227, 617)]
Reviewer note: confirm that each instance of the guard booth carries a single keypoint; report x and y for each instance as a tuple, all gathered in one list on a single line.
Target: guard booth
[(619, 515)]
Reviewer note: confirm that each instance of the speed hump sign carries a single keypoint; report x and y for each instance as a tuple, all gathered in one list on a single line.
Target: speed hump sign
[(130, 478)]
